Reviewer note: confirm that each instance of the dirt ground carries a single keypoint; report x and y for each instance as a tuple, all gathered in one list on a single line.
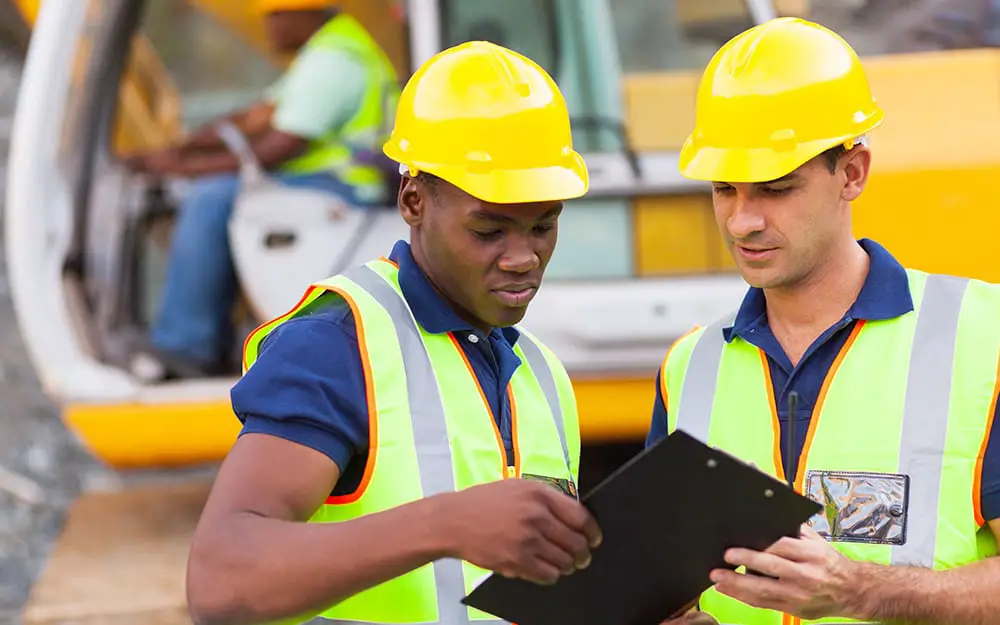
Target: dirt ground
[(41, 469)]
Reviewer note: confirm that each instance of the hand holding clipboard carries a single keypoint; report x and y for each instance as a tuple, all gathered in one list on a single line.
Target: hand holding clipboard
[(667, 517)]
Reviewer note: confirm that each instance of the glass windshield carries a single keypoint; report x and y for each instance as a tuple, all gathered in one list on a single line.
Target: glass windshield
[(657, 35), (213, 69), (573, 40), (896, 26)]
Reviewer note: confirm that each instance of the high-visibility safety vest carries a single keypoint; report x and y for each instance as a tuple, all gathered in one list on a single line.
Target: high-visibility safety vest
[(431, 431), (910, 396), (370, 125)]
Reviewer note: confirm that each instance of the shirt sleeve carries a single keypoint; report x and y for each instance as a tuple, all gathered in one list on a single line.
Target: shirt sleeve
[(308, 386), (319, 93), (658, 426), (990, 493)]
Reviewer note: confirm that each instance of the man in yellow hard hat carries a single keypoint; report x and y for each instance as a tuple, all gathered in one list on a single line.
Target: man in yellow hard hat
[(401, 434), (869, 387), (319, 126)]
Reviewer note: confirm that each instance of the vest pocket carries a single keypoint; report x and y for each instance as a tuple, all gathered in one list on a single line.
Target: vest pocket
[(860, 507)]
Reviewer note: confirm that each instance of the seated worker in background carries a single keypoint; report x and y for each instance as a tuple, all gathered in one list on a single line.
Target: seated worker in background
[(316, 127), (397, 418)]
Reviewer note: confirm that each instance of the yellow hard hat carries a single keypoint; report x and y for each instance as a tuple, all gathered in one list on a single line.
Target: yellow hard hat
[(491, 122), (273, 6), (772, 98)]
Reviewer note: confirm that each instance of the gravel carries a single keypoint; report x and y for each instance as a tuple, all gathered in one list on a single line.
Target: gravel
[(42, 467)]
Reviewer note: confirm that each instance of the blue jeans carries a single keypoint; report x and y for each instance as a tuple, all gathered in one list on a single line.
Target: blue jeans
[(193, 320)]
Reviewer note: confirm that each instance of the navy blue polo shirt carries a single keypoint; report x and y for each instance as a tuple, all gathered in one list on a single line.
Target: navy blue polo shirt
[(884, 295), (308, 385)]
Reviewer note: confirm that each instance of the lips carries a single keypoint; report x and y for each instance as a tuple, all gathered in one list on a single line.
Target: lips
[(755, 254), (516, 294)]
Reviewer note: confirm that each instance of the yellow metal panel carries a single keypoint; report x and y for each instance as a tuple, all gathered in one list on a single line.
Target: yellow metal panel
[(615, 410), (941, 110), (674, 235), (659, 109), (28, 8), (942, 220), (133, 435)]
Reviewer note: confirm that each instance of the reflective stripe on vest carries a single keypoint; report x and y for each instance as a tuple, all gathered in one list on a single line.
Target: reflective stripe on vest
[(924, 382), (388, 332), (370, 124), (422, 388)]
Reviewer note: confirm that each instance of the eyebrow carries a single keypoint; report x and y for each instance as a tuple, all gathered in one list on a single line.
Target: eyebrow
[(504, 219), (791, 177)]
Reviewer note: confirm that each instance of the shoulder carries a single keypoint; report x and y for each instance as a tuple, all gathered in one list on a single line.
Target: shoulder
[(318, 347), (682, 346), (325, 62), (329, 318), (526, 339), (308, 383)]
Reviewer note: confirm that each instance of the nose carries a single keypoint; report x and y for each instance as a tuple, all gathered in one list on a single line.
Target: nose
[(520, 255), (746, 216)]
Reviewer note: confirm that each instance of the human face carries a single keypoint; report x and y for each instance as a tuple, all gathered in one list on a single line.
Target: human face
[(486, 259), (781, 232), (290, 30)]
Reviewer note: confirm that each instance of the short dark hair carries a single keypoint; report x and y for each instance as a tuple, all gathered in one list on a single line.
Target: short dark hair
[(831, 156), (429, 180)]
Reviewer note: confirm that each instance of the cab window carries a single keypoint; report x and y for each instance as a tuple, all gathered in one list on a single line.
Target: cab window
[(574, 41), (214, 69)]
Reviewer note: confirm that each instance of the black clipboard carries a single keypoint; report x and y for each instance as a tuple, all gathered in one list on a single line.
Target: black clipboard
[(668, 516)]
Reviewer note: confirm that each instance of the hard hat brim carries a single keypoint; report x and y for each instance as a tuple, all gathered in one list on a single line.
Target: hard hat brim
[(713, 164), (516, 186)]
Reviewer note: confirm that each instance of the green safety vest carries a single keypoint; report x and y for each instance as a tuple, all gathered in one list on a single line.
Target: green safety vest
[(431, 431), (370, 126), (910, 396)]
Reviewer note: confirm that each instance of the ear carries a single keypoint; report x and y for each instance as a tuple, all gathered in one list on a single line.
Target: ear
[(412, 201), (857, 164)]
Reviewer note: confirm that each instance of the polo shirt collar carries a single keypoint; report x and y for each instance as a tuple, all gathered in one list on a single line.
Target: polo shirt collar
[(430, 310), (885, 294)]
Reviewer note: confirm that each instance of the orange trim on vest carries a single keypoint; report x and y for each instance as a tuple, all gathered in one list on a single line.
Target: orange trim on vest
[(977, 478), (814, 417), (482, 395), (302, 301), (513, 432), (372, 408), (779, 464)]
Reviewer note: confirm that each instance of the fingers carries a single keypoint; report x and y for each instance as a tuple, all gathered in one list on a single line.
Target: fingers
[(767, 563), (573, 543), (756, 591), (539, 572), (575, 515)]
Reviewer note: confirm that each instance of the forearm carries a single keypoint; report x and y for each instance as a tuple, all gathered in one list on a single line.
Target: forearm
[(967, 595), (207, 163), (250, 122), (270, 151), (257, 570)]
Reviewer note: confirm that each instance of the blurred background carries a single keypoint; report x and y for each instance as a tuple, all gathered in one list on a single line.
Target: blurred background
[(87, 428)]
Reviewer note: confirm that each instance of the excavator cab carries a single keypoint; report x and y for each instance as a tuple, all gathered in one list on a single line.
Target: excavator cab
[(313, 235), (88, 240)]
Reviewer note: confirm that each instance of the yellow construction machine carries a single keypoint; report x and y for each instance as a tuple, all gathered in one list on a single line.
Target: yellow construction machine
[(639, 259)]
